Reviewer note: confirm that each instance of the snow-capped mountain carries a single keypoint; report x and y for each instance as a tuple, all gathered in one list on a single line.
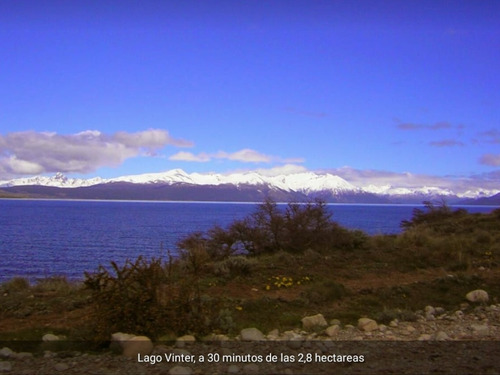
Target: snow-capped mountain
[(306, 182), (58, 180), (176, 184)]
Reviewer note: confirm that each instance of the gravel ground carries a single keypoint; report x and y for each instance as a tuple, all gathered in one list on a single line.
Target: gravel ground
[(438, 343)]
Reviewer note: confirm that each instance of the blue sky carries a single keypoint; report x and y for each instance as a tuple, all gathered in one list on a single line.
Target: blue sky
[(111, 88)]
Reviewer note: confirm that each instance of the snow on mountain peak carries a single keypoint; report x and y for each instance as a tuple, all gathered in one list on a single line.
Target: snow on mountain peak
[(302, 182)]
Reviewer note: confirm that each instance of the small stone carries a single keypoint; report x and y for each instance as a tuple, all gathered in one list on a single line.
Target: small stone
[(182, 341), (439, 310), (6, 352), (367, 324), (5, 366), (335, 322), (477, 295), (424, 337), (332, 330), (23, 355), (180, 370), (430, 310), (429, 317), (120, 336), (314, 321), (217, 337), (394, 323), (441, 336), (290, 335), (61, 367), (410, 329), (480, 329), (274, 334), (50, 337), (137, 345), (251, 334)]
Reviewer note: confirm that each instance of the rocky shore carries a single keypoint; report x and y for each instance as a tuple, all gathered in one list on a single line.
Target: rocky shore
[(464, 341)]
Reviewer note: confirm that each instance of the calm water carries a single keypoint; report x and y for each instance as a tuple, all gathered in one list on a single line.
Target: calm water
[(43, 238)]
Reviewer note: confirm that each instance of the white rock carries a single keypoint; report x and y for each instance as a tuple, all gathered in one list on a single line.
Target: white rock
[(367, 324), (430, 310), (314, 321), (251, 334), (441, 336), (6, 352), (120, 336), (477, 295), (217, 337), (137, 345), (182, 341), (429, 317), (274, 334), (424, 337), (61, 367), (291, 335), (50, 337), (332, 330), (480, 329), (23, 355), (439, 310), (394, 323)]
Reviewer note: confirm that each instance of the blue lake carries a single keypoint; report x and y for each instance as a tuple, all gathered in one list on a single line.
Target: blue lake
[(40, 238)]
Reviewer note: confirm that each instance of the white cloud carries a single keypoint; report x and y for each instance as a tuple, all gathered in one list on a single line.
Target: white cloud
[(188, 156), (245, 155), (30, 152), (458, 184), (381, 178)]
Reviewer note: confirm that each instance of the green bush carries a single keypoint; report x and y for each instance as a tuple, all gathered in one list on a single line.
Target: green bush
[(16, 284), (270, 229), (147, 297)]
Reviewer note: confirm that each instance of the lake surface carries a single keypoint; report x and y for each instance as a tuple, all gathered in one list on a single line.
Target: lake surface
[(40, 238)]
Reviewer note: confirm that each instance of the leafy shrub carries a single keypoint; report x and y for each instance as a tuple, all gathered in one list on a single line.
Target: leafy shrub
[(435, 216), (15, 284), (269, 229), (54, 284), (146, 297)]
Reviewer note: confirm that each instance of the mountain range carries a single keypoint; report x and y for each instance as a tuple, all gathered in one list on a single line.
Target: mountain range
[(177, 185)]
